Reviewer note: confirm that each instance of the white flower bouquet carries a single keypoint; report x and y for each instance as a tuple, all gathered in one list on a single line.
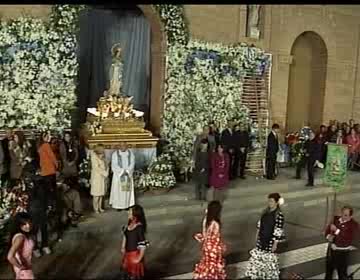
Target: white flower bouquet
[(159, 174)]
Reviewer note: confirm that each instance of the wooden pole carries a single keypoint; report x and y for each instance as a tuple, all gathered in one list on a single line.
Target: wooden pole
[(327, 210), (334, 205)]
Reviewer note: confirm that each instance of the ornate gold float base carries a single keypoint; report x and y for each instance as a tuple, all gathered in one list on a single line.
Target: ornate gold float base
[(115, 131), (134, 140)]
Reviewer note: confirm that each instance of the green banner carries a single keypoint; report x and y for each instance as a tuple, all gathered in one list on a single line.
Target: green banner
[(336, 166)]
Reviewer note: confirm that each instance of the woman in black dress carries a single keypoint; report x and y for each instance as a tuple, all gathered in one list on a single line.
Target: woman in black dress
[(263, 263), (134, 243)]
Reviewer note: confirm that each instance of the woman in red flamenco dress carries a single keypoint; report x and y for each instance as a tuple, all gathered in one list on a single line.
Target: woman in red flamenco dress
[(212, 263)]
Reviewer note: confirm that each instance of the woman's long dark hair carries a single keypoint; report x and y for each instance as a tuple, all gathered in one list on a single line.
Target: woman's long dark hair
[(41, 139), (19, 220), (69, 145), (139, 214), (213, 213), (21, 138)]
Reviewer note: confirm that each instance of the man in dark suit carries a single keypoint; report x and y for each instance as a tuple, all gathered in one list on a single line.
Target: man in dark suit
[(241, 141), (271, 151), (312, 155), (227, 139)]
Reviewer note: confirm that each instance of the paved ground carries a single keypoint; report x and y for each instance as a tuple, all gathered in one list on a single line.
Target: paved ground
[(92, 250)]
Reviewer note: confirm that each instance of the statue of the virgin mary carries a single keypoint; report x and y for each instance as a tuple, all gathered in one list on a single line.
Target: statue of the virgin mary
[(116, 70), (114, 103)]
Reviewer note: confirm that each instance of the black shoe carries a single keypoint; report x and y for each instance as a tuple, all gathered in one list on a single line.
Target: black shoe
[(242, 177), (297, 178), (309, 185)]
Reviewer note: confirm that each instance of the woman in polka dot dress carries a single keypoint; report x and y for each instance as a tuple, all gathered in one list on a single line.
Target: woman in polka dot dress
[(212, 263), (264, 263)]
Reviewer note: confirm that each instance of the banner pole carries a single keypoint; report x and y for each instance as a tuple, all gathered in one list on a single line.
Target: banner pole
[(334, 205), (327, 214)]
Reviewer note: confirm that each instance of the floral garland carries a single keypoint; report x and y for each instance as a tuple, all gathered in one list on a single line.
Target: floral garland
[(64, 19), (204, 84), (175, 24)]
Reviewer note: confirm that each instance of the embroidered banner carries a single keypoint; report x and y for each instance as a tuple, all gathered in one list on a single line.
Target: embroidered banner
[(336, 166)]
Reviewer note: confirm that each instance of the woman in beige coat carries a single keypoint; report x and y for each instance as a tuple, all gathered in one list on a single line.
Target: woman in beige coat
[(99, 175)]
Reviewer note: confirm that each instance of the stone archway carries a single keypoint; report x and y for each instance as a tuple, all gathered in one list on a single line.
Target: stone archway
[(158, 54), (307, 80)]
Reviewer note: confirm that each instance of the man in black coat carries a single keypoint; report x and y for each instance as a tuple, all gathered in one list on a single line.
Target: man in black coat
[(38, 209), (271, 152), (312, 155), (227, 139), (241, 141), (201, 171)]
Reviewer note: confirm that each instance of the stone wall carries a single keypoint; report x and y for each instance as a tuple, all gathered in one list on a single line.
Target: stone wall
[(337, 25)]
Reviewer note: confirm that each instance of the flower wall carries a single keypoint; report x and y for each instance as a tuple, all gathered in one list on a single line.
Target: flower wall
[(38, 70), (38, 65), (38, 76), (204, 83)]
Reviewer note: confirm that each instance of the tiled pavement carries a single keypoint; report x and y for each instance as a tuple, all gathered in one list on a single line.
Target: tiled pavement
[(92, 251), (287, 260), (353, 268)]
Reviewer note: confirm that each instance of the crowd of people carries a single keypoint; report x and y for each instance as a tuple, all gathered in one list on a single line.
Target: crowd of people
[(53, 166), (47, 167), (219, 157), (313, 151)]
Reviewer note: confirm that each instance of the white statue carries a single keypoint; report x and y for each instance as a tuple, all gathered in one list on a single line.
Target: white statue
[(114, 104), (254, 11), (253, 20), (116, 70)]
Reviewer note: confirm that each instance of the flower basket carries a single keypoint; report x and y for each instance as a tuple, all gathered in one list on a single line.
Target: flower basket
[(158, 176)]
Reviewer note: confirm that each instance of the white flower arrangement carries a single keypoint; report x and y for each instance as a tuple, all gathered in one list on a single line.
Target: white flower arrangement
[(159, 174), (203, 84), (174, 22), (38, 68)]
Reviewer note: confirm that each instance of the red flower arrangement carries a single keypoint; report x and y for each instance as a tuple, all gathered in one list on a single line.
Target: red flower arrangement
[(292, 138)]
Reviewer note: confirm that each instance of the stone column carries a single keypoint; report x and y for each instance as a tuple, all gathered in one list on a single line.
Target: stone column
[(158, 56)]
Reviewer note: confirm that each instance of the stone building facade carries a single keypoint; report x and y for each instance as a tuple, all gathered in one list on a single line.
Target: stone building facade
[(315, 48)]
